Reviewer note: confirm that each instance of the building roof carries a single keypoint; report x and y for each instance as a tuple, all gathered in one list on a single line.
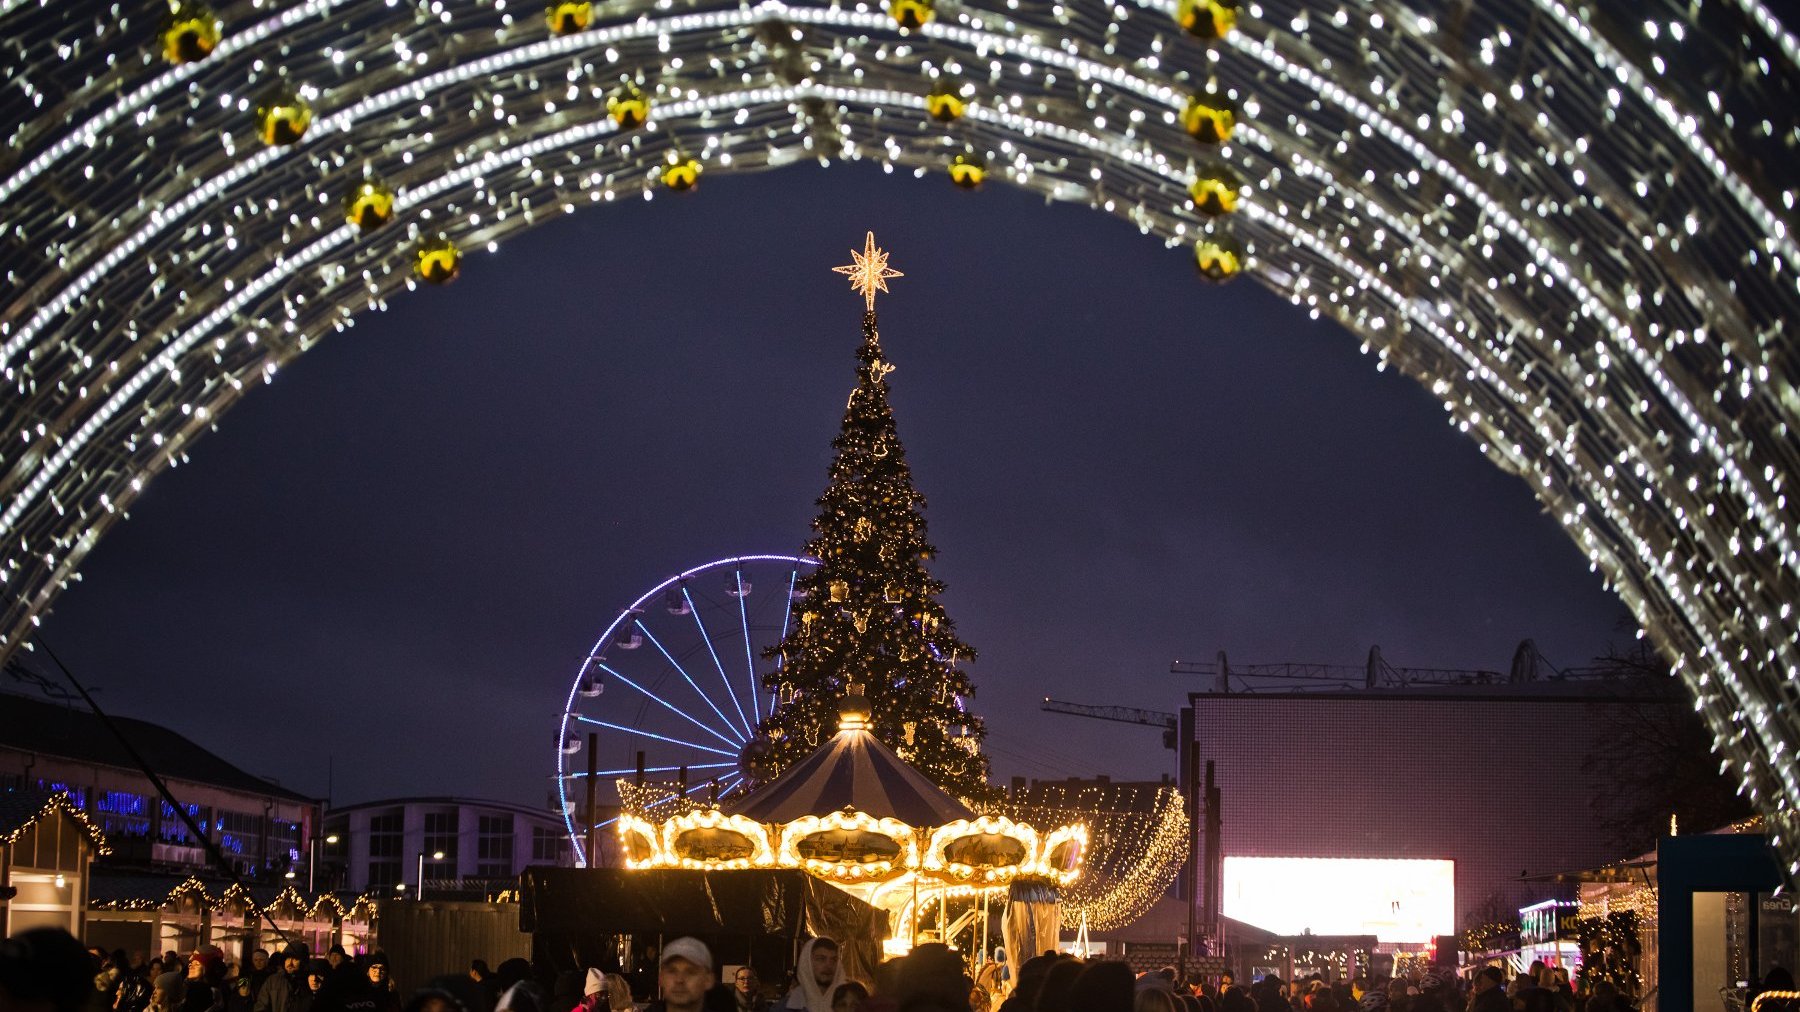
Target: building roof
[(39, 725), (853, 770), (21, 809), (444, 801)]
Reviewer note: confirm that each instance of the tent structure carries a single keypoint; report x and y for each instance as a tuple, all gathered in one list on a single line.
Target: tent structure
[(856, 771), (618, 919)]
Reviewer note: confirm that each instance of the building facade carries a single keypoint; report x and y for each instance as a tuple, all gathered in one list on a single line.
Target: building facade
[(261, 827), (385, 845)]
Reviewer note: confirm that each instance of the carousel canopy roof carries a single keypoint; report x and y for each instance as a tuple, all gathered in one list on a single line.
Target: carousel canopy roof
[(853, 769)]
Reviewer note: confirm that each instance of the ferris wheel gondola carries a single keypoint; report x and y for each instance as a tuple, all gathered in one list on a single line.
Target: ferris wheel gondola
[(672, 688)]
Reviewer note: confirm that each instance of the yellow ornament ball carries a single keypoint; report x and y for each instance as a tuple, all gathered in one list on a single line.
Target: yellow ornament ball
[(967, 171), (1218, 257), (1207, 19), (945, 105), (629, 107), (569, 16), (190, 33), (1210, 116), (1215, 190), (369, 204), (681, 176), (437, 261), (282, 116), (911, 13)]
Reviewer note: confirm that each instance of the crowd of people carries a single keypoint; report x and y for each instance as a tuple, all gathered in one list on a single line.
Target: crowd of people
[(47, 970)]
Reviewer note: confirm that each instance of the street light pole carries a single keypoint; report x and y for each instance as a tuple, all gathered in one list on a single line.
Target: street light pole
[(436, 855), (312, 864)]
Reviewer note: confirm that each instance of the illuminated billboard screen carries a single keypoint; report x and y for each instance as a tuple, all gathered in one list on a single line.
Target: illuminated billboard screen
[(1396, 900)]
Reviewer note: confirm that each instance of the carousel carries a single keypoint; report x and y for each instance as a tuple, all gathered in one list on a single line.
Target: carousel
[(857, 816)]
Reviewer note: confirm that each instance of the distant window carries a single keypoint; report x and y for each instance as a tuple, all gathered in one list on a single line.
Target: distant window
[(170, 827), (284, 843), (240, 833), (495, 847), (384, 874), (385, 832), (440, 837), (123, 813), (547, 845)]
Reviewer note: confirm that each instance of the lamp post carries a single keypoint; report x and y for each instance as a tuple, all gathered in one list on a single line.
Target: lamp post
[(312, 863), (436, 855)]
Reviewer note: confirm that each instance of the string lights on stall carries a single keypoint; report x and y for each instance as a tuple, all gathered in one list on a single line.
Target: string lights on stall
[(1588, 256), (54, 802)]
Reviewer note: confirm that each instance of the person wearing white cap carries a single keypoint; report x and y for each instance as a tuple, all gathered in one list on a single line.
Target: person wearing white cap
[(685, 972), (604, 992)]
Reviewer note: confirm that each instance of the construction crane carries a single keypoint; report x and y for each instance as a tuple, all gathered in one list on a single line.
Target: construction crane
[(1117, 714)]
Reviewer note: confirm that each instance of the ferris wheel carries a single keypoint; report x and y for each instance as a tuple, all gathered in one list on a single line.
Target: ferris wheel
[(672, 689)]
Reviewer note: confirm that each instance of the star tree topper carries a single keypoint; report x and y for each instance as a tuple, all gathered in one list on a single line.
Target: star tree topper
[(870, 272)]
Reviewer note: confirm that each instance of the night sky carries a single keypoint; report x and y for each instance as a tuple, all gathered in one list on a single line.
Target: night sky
[(392, 558)]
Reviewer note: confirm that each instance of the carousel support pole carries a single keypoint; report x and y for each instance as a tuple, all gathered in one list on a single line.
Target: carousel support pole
[(943, 917), (593, 835), (981, 951), (912, 940)]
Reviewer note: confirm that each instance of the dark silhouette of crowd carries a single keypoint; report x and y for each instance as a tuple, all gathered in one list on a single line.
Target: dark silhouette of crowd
[(47, 970)]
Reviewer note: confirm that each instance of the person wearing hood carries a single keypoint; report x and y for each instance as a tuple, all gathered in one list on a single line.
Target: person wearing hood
[(278, 991), (818, 972)]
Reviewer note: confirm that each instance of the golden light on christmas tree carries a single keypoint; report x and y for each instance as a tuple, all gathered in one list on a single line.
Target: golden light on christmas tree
[(869, 273)]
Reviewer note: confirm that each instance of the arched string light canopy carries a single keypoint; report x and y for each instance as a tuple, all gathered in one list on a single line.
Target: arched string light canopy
[(1573, 223)]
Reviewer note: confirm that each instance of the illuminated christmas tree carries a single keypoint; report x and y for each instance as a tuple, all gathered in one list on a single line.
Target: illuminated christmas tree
[(870, 614)]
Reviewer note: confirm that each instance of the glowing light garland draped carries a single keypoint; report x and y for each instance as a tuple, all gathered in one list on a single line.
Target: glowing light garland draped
[(1132, 857), (1574, 229)]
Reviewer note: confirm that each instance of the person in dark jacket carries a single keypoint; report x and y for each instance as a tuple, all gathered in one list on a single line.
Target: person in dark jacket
[(449, 994), (318, 972), (206, 990), (279, 990), (1490, 993), (381, 987)]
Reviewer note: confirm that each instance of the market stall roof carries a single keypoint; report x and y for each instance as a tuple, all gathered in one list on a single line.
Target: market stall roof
[(853, 770), (22, 808)]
